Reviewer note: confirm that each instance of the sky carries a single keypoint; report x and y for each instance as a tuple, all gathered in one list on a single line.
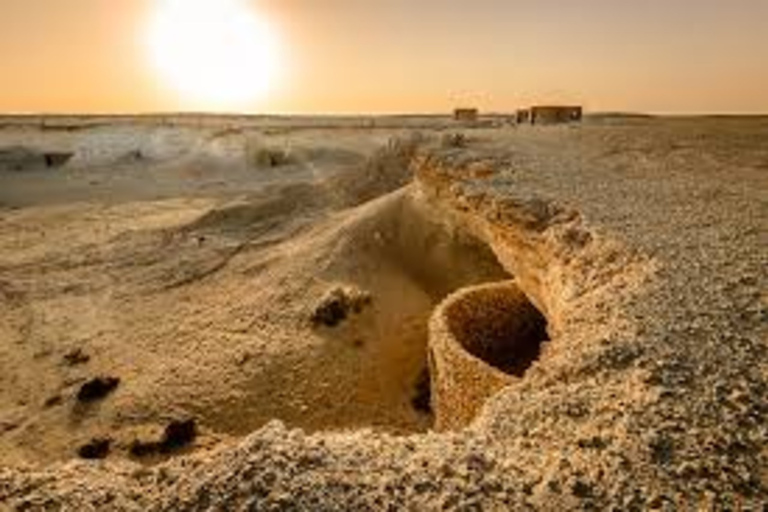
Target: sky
[(401, 56)]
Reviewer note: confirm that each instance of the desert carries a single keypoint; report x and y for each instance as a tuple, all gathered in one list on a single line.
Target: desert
[(383, 313)]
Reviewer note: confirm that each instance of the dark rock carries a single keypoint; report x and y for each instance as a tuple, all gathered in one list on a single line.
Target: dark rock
[(95, 449), (594, 443), (582, 490), (97, 388), (143, 449), (338, 304), (76, 356), (177, 435), (53, 401)]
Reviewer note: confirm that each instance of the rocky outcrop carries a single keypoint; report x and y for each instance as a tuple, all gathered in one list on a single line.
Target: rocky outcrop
[(561, 269)]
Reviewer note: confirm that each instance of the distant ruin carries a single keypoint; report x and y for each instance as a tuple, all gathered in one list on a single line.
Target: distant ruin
[(469, 115), (550, 114)]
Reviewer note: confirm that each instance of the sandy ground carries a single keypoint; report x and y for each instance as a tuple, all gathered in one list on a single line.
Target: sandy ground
[(189, 265)]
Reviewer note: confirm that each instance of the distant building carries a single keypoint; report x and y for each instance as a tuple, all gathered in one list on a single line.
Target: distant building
[(554, 114), (523, 116), (466, 114)]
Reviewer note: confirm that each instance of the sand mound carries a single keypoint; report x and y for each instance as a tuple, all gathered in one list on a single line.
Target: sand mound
[(219, 306), (386, 170), (361, 364)]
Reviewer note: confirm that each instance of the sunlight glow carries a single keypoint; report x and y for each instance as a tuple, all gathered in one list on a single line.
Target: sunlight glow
[(215, 53)]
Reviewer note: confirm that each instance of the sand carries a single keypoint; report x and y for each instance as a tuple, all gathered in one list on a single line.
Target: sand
[(294, 309)]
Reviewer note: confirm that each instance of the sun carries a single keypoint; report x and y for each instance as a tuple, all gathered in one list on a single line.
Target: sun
[(213, 53)]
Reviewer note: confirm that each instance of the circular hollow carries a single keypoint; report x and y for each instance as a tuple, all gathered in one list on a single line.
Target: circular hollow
[(481, 339), (498, 325)]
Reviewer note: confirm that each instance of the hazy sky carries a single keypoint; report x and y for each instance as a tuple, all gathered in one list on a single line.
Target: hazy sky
[(410, 55)]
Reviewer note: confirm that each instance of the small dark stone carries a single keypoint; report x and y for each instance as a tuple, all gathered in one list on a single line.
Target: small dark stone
[(330, 313), (143, 449), (581, 489), (338, 304), (75, 357), (95, 449), (97, 388), (594, 443), (53, 401), (177, 435)]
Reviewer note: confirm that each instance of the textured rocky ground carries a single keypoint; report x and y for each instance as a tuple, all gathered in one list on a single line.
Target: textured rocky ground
[(642, 242)]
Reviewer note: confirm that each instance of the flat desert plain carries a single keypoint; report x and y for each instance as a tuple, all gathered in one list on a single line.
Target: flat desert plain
[(400, 313)]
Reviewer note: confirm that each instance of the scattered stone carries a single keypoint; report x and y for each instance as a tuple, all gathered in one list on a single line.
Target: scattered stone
[(177, 436), (95, 449), (53, 401), (582, 490), (594, 443), (141, 449), (76, 357), (97, 388), (337, 305)]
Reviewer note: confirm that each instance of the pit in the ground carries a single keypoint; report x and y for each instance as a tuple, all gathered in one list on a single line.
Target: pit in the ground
[(481, 339), (498, 325)]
